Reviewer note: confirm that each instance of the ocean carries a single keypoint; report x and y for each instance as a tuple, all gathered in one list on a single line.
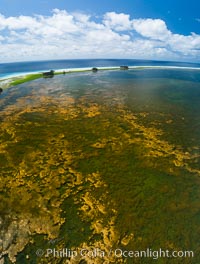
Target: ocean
[(13, 69)]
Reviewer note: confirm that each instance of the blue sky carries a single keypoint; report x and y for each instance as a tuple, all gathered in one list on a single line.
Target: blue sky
[(146, 29)]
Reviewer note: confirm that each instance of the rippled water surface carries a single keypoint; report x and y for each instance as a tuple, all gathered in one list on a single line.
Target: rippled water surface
[(101, 160)]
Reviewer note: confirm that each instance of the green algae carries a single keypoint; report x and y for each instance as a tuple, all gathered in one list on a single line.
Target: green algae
[(13, 81), (27, 78), (94, 175)]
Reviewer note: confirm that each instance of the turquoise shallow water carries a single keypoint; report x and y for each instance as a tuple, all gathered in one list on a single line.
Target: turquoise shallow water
[(107, 159)]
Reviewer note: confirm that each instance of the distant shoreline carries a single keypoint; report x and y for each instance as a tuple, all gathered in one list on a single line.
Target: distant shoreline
[(15, 79)]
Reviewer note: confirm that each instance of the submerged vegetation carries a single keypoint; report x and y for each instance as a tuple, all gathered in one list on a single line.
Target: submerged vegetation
[(80, 169)]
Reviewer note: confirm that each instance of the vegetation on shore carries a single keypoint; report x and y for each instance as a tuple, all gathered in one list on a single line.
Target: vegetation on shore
[(13, 81), (26, 78)]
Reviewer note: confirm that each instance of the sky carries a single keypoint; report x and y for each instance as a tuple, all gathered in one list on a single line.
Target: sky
[(74, 29)]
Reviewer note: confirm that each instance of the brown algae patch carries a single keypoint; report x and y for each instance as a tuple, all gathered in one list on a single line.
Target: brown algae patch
[(39, 175), (43, 146), (92, 110), (150, 138)]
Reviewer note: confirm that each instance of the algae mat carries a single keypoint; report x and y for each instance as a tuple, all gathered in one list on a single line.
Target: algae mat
[(106, 163)]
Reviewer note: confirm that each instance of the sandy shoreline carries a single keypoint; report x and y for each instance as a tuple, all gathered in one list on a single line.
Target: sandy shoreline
[(6, 81)]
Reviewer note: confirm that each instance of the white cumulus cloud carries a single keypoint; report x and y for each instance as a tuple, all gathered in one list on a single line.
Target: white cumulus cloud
[(152, 28), (63, 35), (119, 22)]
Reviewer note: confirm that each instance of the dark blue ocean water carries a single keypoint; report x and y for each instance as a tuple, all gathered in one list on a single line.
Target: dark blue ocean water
[(9, 69)]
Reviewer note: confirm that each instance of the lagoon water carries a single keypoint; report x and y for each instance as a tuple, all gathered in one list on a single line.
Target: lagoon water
[(101, 160), (10, 69)]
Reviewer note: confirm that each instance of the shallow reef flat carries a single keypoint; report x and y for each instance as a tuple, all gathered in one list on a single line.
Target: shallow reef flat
[(82, 169)]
